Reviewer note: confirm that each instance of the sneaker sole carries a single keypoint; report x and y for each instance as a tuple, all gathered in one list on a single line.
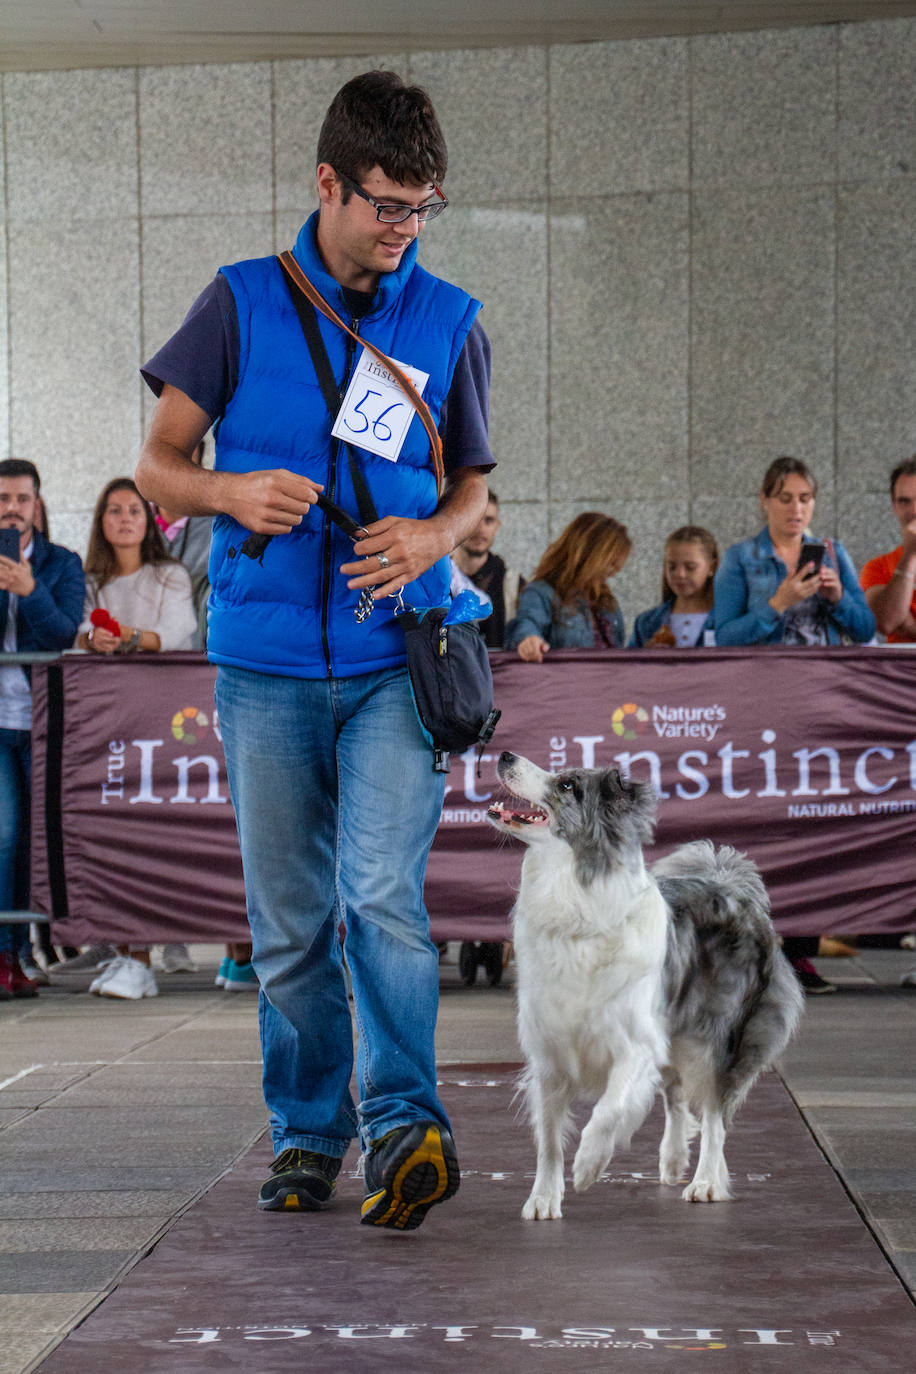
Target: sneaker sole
[(292, 1199), (236, 985), (422, 1176)]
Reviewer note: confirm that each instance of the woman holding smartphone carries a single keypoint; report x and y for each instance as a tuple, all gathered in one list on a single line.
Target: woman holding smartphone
[(783, 587)]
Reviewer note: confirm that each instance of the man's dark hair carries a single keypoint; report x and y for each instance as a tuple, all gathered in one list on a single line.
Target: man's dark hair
[(907, 468), (377, 121), (20, 467)]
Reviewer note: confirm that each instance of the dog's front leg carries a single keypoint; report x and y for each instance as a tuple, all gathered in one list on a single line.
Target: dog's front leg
[(548, 1111), (620, 1109), (710, 1182)]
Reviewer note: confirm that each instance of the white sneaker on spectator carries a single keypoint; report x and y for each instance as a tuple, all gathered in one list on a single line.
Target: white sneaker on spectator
[(908, 980), (177, 959), (33, 972), (106, 969), (92, 958), (130, 980)]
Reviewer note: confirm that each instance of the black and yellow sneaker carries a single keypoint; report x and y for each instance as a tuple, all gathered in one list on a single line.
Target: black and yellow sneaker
[(300, 1180), (407, 1172)]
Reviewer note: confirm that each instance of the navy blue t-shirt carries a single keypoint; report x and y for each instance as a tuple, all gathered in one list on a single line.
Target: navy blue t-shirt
[(202, 360)]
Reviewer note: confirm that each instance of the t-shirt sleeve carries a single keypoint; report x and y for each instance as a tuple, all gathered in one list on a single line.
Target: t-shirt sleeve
[(465, 420), (202, 356), (878, 571)]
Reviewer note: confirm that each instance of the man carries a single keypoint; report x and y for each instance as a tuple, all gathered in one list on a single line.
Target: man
[(41, 605), (333, 786), (889, 581), (489, 574)]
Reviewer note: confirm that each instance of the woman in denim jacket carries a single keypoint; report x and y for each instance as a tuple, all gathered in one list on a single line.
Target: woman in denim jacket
[(568, 604), (767, 593)]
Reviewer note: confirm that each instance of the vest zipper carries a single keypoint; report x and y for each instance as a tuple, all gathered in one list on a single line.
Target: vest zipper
[(331, 493)]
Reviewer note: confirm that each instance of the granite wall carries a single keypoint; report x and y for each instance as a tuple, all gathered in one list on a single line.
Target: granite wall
[(694, 253)]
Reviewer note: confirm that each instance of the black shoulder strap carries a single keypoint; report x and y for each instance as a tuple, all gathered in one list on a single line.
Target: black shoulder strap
[(333, 395)]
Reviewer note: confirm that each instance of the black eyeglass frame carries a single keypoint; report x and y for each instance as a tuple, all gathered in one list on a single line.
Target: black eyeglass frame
[(404, 212)]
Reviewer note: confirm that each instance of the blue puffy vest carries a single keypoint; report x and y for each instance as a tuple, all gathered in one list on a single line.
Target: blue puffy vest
[(294, 615)]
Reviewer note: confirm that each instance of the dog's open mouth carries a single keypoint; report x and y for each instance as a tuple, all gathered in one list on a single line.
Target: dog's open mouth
[(505, 816)]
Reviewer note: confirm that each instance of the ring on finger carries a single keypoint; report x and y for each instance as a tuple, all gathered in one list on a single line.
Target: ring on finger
[(383, 560)]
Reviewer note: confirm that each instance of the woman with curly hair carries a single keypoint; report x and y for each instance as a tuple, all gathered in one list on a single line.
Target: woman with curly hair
[(568, 604)]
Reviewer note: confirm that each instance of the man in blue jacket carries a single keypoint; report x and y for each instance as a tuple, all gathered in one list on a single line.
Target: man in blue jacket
[(333, 785), (41, 605)]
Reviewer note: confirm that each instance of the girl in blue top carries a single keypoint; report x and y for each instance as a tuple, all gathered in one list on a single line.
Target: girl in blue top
[(568, 604), (684, 618)]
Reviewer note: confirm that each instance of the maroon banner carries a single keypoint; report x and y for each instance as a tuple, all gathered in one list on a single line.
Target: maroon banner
[(803, 758)]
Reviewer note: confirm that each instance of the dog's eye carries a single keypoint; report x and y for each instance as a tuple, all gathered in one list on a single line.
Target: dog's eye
[(566, 786)]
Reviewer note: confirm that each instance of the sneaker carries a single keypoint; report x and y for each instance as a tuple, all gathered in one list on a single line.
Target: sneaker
[(810, 979), (13, 982), (32, 971), (407, 1171), (908, 979), (130, 980), (89, 961), (106, 968), (223, 971), (177, 959), (300, 1181), (240, 978)]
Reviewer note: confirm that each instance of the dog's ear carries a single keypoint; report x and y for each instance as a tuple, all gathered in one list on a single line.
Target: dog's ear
[(612, 784)]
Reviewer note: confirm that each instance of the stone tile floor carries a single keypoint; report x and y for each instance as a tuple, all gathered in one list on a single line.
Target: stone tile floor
[(116, 1116)]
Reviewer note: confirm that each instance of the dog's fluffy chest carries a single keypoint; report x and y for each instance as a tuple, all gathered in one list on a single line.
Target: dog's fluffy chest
[(590, 961)]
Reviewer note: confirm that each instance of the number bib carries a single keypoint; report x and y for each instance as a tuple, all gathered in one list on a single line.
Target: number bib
[(375, 414)]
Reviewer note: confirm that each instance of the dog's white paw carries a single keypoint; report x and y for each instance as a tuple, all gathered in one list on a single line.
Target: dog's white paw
[(589, 1164), (542, 1207), (673, 1167), (706, 1190)]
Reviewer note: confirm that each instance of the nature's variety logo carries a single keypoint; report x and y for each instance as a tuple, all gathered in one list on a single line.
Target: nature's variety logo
[(188, 724), (630, 720)]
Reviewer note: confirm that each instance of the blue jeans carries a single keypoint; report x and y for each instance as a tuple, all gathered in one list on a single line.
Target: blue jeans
[(15, 776), (337, 804)]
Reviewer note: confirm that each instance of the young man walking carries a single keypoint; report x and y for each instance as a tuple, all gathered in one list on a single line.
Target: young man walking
[(333, 785)]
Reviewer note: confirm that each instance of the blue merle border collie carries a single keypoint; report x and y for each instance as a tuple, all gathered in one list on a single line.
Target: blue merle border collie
[(633, 979)]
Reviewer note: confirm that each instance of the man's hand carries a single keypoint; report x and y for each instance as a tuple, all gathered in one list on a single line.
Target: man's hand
[(272, 502), (406, 548), (16, 577)]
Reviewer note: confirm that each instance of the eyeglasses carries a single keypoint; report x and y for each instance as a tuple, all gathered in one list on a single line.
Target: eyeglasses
[(387, 213)]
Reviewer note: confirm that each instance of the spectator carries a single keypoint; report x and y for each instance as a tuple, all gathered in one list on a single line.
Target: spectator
[(41, 595), (683, 619), (568, 604), (487, 572), (766, 593), (889, 581), (130, 575), (187, 538)]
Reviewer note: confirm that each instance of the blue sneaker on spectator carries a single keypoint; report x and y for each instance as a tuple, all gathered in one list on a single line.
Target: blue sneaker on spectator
[(240, 978), (220, 979)]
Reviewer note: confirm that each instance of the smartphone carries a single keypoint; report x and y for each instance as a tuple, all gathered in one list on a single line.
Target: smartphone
[(811, 553), (9, 544)]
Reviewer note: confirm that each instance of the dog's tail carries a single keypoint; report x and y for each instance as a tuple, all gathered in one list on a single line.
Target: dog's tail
[(764, 1032), (755, 1000)]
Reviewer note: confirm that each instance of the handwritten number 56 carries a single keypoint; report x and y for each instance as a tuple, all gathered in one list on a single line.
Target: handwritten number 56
[(380, 430)]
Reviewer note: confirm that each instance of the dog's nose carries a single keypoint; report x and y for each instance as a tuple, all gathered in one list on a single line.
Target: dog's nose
[(506, 758)]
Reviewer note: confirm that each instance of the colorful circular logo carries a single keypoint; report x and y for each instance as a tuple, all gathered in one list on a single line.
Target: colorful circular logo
[(630, 720), (183, 720)]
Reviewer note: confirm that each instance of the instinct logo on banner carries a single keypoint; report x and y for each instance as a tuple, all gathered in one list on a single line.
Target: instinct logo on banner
[(134, 769)]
